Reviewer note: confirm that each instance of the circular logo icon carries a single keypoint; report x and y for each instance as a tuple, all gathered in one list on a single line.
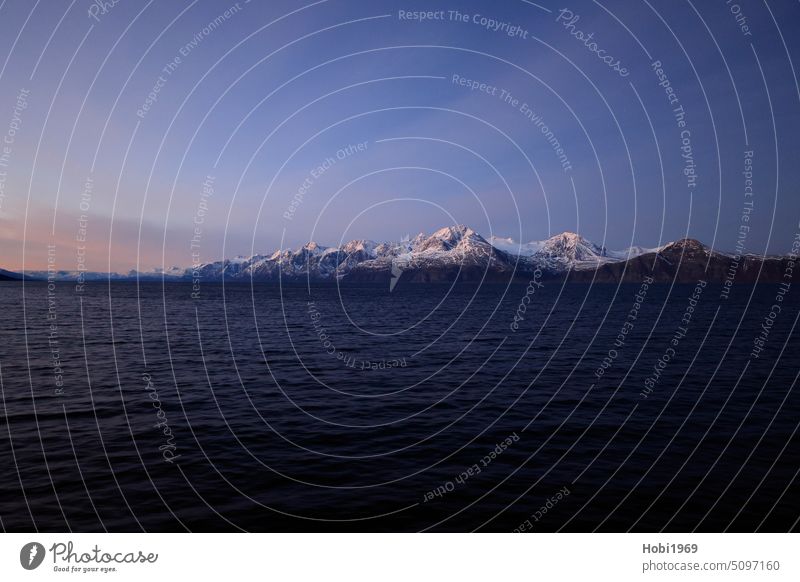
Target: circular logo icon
[(31, 555)]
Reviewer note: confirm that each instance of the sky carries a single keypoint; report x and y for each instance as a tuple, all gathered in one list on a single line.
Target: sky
[(144, 135)]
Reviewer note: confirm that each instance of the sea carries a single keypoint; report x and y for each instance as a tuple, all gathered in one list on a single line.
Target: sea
[(539, 407)]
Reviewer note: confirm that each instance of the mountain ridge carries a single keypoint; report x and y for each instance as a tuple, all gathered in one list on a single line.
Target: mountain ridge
[(459, 252)]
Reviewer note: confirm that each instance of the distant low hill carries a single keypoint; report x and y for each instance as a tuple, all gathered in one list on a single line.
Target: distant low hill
[(9, 276)]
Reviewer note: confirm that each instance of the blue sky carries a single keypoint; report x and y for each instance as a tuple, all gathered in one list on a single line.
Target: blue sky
[(261, 99)]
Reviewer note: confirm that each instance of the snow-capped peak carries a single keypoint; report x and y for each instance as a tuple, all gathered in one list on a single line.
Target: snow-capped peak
[(360, 246), (449, 238), (314, 248), (572, 247)]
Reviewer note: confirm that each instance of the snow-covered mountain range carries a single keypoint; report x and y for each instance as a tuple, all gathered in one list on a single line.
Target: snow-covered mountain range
[(450, 253), (568, 250)]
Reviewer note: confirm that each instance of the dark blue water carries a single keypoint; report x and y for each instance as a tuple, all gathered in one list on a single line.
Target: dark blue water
[(133, 408)]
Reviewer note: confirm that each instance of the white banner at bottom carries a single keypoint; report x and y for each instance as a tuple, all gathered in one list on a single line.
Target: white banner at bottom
[(400, 557)]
